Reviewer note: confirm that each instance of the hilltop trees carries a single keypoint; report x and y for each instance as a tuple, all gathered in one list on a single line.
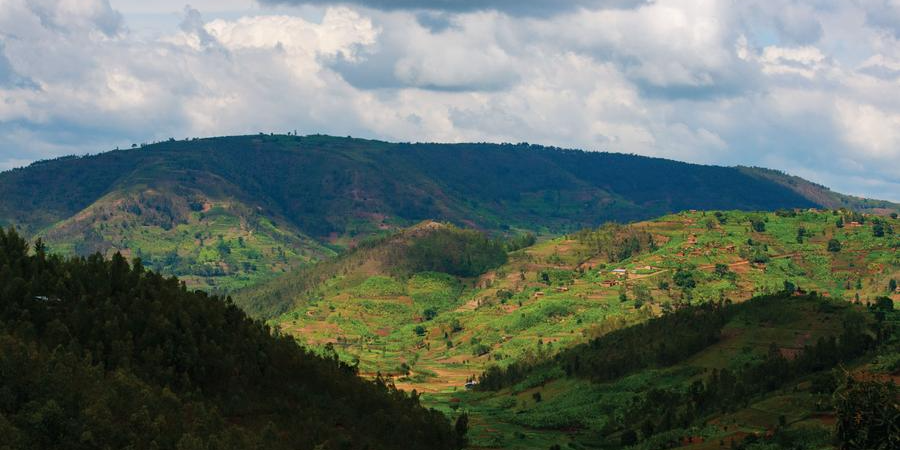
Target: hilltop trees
[(616, 242), (519, 242), (464, 253)]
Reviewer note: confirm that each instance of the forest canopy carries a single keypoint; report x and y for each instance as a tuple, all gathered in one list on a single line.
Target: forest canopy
[(98, 353)]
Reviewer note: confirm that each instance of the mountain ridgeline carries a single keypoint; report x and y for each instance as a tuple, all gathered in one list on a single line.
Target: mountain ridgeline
[(224, 213)]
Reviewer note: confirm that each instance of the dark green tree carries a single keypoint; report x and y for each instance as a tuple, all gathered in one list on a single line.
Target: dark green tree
[(868, 415), (834, 245)]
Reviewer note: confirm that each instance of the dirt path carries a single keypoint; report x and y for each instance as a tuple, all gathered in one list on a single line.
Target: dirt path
[(634, 276), (744, 262)]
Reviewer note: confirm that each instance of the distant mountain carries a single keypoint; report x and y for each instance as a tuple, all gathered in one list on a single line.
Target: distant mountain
[(821, 195), (224, 213)]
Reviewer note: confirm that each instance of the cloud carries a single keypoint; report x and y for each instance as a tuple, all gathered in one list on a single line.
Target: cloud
[(516, 7), (9, 78), (803, 61), (192, 24), (77, 15), (884, 14), (804, 86), (473, 56)]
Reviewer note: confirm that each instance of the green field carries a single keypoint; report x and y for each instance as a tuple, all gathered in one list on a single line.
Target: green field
[(433, 332)]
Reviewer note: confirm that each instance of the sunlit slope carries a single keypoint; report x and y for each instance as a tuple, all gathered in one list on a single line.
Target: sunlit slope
[(442, 329), (765, 370)]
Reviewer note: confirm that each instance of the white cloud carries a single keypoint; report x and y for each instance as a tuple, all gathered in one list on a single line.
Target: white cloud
[(805, 61), (870, 130), (808, 87)]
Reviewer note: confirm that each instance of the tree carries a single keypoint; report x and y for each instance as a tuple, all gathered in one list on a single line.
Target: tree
[(420, 330), (684, 278), (722, 270), (801, 233), (789, 287), (878, 229), (629, 438), (641, 295), (758, 225), (868, 414), (647, 429), (834, 245), (892, 285), (839, 222), (884, 304), (462, 428)]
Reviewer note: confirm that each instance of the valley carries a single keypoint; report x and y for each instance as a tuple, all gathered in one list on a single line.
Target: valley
[(449, 225), (565, 302)]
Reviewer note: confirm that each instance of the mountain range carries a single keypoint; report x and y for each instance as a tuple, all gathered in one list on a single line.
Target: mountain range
[(228, 212)]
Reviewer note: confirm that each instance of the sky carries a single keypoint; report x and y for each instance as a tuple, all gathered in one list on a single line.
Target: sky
[(809, 87)]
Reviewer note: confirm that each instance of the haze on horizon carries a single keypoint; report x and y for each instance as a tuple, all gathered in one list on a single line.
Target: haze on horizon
[(807, 87)]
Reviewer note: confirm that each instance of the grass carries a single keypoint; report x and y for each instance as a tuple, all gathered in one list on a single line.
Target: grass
[(220, 246), (514, 313), (576, 412)]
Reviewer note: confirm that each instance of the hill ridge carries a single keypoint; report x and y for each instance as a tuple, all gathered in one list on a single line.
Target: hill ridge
[(302, 198)]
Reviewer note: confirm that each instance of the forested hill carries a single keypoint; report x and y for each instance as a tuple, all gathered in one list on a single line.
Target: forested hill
[(324, 184), (220, 211), (99, 353)]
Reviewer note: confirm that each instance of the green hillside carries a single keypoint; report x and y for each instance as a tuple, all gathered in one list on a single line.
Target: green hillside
[(434, 331), (770, 373), (229, 212), (566, 289), (98, 353)]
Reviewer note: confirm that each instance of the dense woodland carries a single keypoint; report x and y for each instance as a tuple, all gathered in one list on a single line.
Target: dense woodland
[(464, 253), (322, 184), (427, 247), (101, 353)]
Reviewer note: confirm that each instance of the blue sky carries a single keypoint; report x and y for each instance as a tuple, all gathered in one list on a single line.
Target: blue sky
[(808, 87)]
